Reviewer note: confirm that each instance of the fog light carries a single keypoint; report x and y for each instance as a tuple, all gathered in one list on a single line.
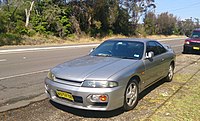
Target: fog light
[(97, 98)]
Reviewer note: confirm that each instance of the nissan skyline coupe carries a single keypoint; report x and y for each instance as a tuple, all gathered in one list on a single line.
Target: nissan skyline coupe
[(112, 75)]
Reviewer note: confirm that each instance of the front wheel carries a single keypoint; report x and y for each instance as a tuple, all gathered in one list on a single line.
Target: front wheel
[(131, 95), (170, 74)]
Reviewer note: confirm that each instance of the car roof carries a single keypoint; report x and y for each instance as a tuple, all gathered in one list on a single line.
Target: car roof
[(144, 40)]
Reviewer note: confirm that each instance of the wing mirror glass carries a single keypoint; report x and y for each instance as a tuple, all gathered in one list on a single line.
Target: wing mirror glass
[(92, 50), (149, 55)]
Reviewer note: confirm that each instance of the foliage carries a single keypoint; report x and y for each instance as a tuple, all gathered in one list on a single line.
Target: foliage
[(10, 39), (168, 24), (150, 23), (96, 18)]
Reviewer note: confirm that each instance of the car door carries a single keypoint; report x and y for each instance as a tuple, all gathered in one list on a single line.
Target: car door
[(153, 67), (164, 65)]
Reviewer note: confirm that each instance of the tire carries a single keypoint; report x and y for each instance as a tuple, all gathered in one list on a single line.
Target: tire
[(170, 74), (131, 95), (185, 50)]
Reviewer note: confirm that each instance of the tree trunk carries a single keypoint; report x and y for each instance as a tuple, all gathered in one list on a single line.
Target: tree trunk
[(28, 13)]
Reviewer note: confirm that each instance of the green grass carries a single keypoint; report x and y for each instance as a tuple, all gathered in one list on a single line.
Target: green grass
[(184, 105)]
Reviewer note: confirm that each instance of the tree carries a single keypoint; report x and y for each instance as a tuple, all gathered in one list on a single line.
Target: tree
[(106, 11), (197, 23), (166, 23), (150, 23), (51, 19), (28, 13), (187, 26), (122, 24)]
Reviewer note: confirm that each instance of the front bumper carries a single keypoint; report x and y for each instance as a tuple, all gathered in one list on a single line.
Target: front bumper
[(191, 48), (80, 94)]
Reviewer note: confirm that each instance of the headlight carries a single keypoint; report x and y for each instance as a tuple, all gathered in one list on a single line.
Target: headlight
[(187, 42), (51, 76), (99, 84)]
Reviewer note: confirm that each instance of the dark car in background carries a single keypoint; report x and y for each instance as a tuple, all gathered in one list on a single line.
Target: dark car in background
[(192, 44)]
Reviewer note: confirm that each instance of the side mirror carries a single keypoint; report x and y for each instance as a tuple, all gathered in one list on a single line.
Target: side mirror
[(187, 34), (92, 50), (149, 55)]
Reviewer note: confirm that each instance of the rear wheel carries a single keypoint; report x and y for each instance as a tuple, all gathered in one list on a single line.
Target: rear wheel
[(170, 74), (131, 95)]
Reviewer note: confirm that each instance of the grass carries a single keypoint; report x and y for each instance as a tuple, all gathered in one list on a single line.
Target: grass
[(185, 104)]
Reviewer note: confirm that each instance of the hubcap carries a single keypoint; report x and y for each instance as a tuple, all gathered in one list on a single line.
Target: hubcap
[(131, 94), (171, 72)]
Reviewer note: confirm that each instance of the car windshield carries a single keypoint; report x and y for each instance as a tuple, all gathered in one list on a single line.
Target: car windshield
[(120, 49), (196, 34)]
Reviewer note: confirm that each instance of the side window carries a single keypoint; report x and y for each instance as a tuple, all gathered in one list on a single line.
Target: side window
[(160, 48), (151, 46)]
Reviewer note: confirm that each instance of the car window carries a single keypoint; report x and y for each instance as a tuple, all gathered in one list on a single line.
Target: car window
[(160, 48), (106, 46), (120, 49), (196, 34), (155, 47), (151, 46)]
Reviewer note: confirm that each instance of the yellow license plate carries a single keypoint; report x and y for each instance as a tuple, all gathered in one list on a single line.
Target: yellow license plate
[(65, 95), (196, 48)]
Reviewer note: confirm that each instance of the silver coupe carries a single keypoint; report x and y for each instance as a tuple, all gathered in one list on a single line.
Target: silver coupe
[(112, 75)]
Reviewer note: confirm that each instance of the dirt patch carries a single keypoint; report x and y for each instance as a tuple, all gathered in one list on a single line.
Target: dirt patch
[(176, 100)]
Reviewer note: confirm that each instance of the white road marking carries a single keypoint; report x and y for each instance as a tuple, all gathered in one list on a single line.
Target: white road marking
[(18, 75), (61, 47), (2, 60), (43, 48), (161, 40)]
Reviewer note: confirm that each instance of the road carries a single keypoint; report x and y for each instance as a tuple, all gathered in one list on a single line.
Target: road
[(22, 70)]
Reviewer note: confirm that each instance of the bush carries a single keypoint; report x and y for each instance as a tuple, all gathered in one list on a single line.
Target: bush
[(20, 28), (10, 39), (31, 32)]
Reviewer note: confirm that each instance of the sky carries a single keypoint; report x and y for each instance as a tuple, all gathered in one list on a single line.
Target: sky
[(183, 9)]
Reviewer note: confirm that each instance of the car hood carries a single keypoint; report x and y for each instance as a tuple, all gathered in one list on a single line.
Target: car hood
[(91, 67), (196, 40)]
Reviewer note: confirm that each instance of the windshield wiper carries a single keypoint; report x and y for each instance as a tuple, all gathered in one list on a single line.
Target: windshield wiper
[(104, 55), (128, 58)]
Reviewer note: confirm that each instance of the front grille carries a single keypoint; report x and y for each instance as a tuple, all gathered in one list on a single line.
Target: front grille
[(68, 82), (100, 104), (195, 44), (78, 99)]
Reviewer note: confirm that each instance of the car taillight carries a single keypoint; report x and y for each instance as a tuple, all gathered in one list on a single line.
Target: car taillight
[(187, 42)]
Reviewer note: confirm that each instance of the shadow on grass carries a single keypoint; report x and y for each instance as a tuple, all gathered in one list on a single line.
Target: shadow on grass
[(151, 88), (103, 114)]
